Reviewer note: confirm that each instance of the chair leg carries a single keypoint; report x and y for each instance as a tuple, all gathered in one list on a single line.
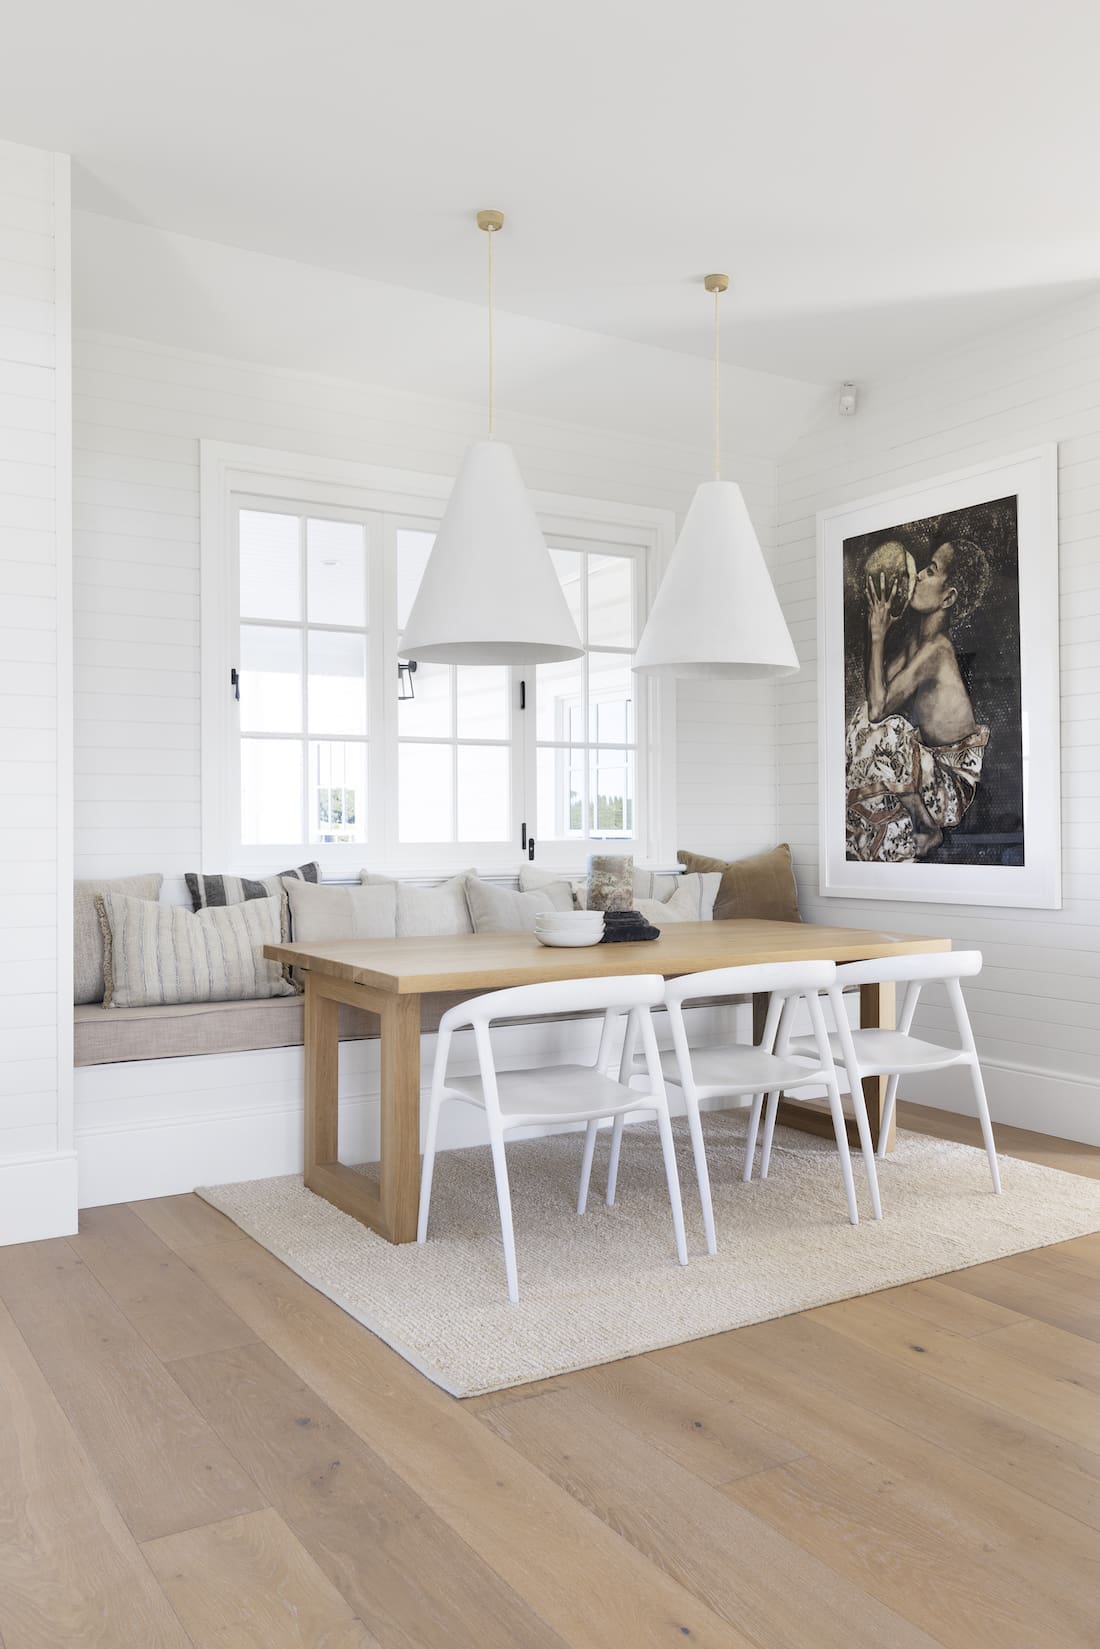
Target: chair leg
[(769, 1132), (840, 1129), (866, 1145), (586, 1165), (888, 1105), (702, 1174), (613, 1160), (668, 1150), (987, 1125), (435, 1105), (504, 1201), (750, 1138)]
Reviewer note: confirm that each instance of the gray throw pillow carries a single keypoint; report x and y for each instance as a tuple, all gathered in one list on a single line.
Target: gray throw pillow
[(500, 910), (318, 913), (88, 935), (427, 912)]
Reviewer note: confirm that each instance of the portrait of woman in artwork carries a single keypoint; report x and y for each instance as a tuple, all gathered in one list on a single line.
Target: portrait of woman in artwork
[(933, 739)]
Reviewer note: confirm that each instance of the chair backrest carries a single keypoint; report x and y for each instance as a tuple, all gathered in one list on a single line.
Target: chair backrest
[(764, 978), (926, 968), (560, 996)]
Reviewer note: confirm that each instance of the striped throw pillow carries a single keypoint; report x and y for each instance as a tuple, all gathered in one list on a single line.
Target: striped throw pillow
[(162, 955), (208, 891)]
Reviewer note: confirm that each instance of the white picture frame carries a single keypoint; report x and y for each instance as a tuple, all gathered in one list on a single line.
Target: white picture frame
[(1032, 478)]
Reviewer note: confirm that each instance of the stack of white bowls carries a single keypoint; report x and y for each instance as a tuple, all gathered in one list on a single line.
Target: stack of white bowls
[(569, 927)]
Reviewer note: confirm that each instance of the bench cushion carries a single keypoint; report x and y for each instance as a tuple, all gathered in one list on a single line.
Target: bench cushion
[(108, 1036)]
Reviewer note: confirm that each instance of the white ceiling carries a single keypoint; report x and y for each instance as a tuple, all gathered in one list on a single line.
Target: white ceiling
[(880, 179)]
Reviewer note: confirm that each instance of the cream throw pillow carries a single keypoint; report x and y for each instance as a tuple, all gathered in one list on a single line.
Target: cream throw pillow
[(500, 910), (427, 912), (318, 913), (88, 934), (692, 901), (566, 894), (161, 955)]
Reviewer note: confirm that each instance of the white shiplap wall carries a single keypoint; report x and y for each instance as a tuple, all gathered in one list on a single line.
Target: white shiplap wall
[(140, 411), (37, 1166), (1036, 1007)]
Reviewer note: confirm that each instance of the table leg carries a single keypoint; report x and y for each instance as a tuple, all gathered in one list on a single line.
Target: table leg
[(389, 1206), (400, 1165), (876, 1007)]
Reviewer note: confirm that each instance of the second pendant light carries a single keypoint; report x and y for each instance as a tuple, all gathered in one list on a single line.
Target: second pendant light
[(716, 612)]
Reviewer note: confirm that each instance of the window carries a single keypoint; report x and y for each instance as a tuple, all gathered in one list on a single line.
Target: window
[(320, 740)]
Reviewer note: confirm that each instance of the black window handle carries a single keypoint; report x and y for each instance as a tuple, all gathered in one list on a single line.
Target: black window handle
[(530, 847), (235, 683)]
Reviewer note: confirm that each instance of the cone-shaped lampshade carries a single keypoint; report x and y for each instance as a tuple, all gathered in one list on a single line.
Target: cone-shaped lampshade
[(490, 594), (716, 613)]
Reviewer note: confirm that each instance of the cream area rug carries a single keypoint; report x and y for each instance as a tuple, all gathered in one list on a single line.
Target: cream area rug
[(607, 1285)]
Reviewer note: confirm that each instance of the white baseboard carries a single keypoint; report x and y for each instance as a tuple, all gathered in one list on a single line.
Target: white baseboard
[(38, 1197), (1042, 1101)]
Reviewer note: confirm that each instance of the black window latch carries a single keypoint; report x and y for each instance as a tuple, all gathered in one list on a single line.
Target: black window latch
[(235, 683)]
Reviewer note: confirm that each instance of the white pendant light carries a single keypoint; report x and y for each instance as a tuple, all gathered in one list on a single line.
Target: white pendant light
[(716, 612), (490, 594)]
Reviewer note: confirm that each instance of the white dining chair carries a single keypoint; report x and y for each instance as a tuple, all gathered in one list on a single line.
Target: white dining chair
[(551, 1094), (742, 1074), (898, 1053)]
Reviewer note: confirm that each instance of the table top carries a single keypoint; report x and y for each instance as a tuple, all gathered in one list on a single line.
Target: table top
[(487, 961)]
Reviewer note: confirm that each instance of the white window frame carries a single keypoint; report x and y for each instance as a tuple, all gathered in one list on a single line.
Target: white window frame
[(228, 471)]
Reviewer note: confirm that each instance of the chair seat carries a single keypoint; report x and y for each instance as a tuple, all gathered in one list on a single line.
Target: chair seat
[(552, 1090), (737, 1068), (882, 1052)]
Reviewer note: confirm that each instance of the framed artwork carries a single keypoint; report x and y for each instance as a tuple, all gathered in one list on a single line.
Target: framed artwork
[(939, 693)]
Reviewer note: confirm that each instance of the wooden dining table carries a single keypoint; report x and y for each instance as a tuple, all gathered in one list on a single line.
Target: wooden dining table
[(391, 977)]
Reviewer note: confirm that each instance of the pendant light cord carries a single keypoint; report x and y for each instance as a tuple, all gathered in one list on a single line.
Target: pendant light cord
[(717, 395), (489, 237)]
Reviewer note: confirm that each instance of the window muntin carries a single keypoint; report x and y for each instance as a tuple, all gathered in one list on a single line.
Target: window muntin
[(329, 755)]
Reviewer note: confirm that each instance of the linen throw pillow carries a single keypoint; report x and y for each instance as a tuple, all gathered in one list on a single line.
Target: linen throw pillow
[(425, 912), (568, 893), (761, 886), (162, 955), (692, 900), (501, 910), (341, 912), (88, 934), (207, 891)]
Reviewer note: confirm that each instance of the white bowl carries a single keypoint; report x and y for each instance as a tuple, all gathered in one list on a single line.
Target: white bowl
[(563, 938)]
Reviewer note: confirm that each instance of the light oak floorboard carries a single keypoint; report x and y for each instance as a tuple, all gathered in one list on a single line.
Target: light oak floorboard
[(71, 1575), (174, 1311), (403, 1572), (248, 1583), (517, 1521), (179, 1221), (724, 1555), (164, 1466)]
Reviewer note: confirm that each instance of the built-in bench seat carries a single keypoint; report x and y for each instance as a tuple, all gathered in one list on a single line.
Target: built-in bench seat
[(112, 1036)]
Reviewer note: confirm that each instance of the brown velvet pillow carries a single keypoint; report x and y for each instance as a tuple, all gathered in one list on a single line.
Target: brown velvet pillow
[(762, 886)]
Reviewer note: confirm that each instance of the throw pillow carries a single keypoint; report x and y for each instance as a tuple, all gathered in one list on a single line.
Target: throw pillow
[(500, 910), (425, 912), (88, 935), (162, 955), (566, 894), (762, 886), (341, 912), (207, 891), (691, 901)]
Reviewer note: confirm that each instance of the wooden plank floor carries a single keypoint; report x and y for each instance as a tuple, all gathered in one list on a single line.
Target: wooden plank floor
[(197, 1449)]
